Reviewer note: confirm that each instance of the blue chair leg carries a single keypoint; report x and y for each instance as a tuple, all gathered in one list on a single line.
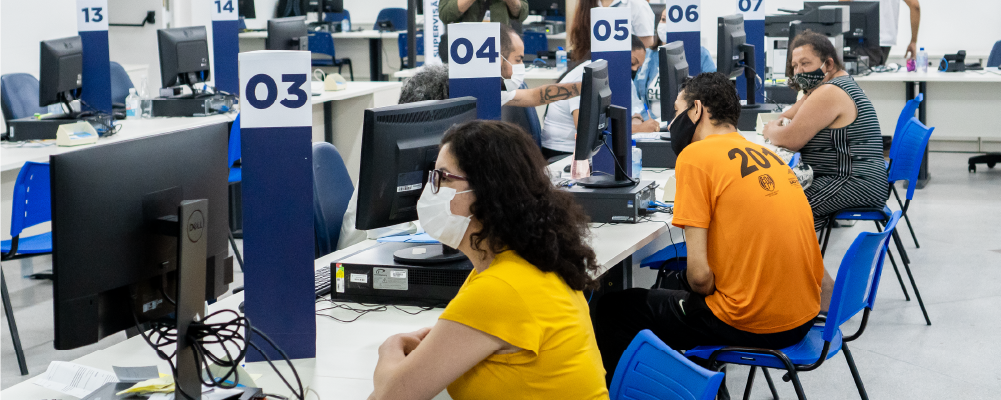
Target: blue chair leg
[(903, 209), (855, 375), (9, 313), (903, 287)]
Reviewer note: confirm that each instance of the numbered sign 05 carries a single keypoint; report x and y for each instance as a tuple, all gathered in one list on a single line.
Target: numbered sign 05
[(610, 29), (683, 16), (274, 86), (92, 15), (224, 10)]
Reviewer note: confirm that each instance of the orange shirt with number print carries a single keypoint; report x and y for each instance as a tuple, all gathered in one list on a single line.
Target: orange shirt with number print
[(762, 248)]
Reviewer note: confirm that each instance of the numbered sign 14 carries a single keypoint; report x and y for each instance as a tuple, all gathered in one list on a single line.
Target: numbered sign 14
[(224, 10)]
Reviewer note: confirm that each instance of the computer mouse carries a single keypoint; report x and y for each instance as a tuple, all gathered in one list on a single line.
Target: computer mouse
[(566, 169)]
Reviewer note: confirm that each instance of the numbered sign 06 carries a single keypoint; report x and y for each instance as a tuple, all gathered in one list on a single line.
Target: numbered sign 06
[(610, 29), (474, 50), (273, 85), (683, 16)]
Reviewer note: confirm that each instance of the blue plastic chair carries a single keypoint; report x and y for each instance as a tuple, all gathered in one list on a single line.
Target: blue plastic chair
[(19, 96), (401, 42), (854, 291), (120, 84), (674, 257), (535, 42), (31, 206), (649, 369), (994, 59), (905, 115), (322, 43), (332, 190), (337, 17), (397, 18), (911, 144), (234, 152)]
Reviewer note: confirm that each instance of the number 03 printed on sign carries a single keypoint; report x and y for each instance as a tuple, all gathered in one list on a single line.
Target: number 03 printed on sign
[(275, 89)]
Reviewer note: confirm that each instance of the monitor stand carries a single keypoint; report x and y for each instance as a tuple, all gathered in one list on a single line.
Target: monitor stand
[(750, 77), (619, 117), (428, 255)]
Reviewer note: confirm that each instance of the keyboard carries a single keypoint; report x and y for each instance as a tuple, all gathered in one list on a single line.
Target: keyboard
[(322, 277)]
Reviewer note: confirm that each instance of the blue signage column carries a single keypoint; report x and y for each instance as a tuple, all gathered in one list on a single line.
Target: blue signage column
[(225, 45), (754, 28), (92, 23), (474, 65), (276, 129), (684, 21), (611, 31)]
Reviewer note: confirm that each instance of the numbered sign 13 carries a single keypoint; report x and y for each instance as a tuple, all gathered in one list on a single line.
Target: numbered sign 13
[(91, 15)]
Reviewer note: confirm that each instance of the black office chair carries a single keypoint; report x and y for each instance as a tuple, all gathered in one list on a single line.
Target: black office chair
[(991, 159), (19, 96)]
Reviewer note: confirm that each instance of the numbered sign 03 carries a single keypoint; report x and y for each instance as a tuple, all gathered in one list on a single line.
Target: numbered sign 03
[(474, 65), (684, 21), (277, 186)]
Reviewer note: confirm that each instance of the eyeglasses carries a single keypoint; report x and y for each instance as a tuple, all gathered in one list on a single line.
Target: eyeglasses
[(436, 176)]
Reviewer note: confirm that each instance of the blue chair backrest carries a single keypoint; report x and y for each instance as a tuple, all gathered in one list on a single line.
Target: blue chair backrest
[(906, 163), (322, 43), (234, 152), (994, 60), (19, 96), (535, 42), (398, 16), (649, 369), (120, 83), (32, 197), (906, 114), (858, 277), (332, 191), (401, 42), (337, 17)]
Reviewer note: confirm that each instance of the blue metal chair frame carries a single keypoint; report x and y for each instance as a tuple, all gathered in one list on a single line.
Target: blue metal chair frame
[(323, 43), (401, 42), (854, 291)]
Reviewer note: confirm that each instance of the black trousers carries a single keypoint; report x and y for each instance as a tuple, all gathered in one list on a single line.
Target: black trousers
[(679, 317), (550, 153)]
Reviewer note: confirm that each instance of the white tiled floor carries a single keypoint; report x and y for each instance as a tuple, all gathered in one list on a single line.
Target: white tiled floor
[(958, 270)]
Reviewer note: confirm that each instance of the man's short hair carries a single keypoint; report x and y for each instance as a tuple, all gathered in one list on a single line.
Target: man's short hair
[(429, 83), (505, 39), (717, 93)]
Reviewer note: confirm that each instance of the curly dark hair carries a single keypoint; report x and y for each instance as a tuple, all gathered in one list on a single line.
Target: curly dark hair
[(517, 205), (717, 93), (821, 46)]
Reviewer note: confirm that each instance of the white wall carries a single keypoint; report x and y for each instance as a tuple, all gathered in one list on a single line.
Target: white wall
[(24, 23), (135, 45)]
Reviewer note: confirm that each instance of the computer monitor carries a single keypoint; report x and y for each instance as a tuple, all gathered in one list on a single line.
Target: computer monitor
[(60, 72), (597, 114), (399, 147), (184, 56), (547, 8), (863, 39), (287, 34), (730, 36), (673, 71), (139, 234)]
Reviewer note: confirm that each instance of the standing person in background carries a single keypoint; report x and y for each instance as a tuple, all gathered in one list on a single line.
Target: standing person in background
[(579, 39), (503, 11), (889, 25)]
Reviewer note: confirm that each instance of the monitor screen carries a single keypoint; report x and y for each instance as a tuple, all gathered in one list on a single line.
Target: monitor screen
[(60, 72), (398, 150)]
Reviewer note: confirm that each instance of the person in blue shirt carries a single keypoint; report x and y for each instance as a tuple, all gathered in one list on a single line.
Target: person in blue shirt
[(647, 82)]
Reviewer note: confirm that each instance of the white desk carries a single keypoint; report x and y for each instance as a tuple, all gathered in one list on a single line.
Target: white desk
[(347, 352), (347, 44)]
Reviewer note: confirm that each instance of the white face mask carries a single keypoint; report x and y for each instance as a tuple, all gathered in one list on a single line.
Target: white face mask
[(662, 31), (517, 74), (434, 211)]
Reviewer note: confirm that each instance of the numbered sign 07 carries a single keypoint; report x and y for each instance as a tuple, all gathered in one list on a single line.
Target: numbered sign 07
[(92, 15), (611, 29), (683, 15), (474, 50), (224, 10), (274, 89), (752, 9)]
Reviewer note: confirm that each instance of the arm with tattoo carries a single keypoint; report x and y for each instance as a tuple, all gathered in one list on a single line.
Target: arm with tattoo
[(545, 94)]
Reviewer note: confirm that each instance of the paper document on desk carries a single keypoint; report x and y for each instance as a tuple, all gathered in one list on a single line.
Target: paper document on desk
[(74, 379), (207, 394), (415, 238)]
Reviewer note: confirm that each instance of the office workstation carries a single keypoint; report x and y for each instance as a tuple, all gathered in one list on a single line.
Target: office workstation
[(632, 210)]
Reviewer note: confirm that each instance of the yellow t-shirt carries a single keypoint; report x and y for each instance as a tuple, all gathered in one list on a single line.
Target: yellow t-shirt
[(762, 248), (537, 312)]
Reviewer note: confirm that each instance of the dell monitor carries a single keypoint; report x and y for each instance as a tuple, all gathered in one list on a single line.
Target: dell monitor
[(596, 115), (399, 148), (673, 71), (139, 234), (287, 34), (184, 56), (60, 75)]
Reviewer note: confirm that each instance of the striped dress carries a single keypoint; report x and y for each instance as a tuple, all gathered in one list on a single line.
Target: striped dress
[(848, 166)]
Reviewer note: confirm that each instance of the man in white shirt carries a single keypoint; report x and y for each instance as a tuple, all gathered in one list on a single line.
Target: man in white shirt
[(643, 19), (889, 25)]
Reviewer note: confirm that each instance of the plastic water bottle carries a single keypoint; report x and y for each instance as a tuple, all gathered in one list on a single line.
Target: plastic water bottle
[(345, 25), (637, 161), (133, 108), (486, 17), (922, 60), (561, 59)]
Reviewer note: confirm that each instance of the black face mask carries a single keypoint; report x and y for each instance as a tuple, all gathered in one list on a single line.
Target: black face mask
[(634, 74), (682, 131)]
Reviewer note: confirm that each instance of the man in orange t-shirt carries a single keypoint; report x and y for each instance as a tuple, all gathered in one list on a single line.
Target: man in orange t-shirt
[(754, 267)]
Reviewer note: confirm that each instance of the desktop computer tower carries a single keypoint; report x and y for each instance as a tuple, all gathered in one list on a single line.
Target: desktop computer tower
[(31, 128), (373, 276), (615, 205)]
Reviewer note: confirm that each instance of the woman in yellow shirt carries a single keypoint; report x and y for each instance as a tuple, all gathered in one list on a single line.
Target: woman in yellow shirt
[(519, 326)]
